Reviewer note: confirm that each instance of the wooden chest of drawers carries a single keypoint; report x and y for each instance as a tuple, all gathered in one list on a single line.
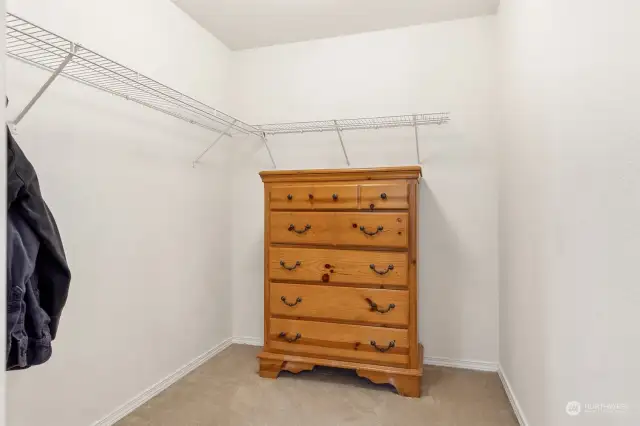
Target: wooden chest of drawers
[(340, 274)]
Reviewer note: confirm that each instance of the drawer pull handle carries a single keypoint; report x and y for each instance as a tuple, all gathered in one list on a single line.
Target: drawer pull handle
[(374, 306), (311, 196), (292, 228), (283, 335), (289, 197), (392, 344), (383, 195), (386, 271), (284, 300), (371, 234), (335, 197), (290, 268)]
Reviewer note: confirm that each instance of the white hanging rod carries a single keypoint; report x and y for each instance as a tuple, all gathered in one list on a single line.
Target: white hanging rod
[(36, 46), (363, 123)]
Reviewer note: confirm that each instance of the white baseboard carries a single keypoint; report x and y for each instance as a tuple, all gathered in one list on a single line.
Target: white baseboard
[(253, 341), (163, 384), (155, 389), (461, 363), (512, 397)]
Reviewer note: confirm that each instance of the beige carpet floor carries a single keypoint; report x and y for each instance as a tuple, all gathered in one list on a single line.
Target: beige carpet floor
[(228, 391)]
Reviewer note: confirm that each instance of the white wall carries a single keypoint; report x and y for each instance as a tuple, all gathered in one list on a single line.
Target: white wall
[(449, 66), (570, 208), (146, 235)]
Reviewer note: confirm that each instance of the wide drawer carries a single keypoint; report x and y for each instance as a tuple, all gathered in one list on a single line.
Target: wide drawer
[(381, 196), (314, 197), (388, 307), (338, 266), (339, 341), (340, 228)]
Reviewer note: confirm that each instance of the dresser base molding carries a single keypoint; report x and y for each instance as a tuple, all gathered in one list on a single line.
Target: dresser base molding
[(406, 381)]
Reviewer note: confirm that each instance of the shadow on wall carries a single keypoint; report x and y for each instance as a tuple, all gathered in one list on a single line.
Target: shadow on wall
[(440, 270)]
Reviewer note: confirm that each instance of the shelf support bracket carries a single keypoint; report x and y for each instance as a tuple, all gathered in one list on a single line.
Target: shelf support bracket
[(415, 129), (45, 86), (214, 142), (344, 151), (263, 136)]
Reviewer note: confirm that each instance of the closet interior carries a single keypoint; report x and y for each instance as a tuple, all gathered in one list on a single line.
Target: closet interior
[(369, 201)]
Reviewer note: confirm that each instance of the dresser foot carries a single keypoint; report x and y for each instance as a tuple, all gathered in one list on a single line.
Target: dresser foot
[(297, 367), (405, 385), (269, 369)]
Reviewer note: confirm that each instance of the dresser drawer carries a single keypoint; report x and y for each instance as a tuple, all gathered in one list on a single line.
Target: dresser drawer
[(340, 228), (376, 306), (339, 341), (314, 197), (384, 196), (338, 266)]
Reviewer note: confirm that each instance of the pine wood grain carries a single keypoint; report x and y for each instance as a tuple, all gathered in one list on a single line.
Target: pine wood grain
[(415, 358), (336, 363), (405, 385), (323, 175), (341, 228), (340, 340), (347, 266), (384, 196), (340, 303), (269, 368), (314, 197), (267, 241)]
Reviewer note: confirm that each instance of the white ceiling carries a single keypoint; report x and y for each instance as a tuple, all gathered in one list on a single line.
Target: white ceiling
[(244, 24)]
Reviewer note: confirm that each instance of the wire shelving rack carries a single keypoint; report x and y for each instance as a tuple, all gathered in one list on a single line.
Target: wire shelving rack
[(46, 50), (356, 123), (363, 123)]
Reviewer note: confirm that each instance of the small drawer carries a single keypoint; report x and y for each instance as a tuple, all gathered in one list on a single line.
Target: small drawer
[(384, 196), (340, 228), (339, 341), (364, 305), (314, 197), (338, 266)]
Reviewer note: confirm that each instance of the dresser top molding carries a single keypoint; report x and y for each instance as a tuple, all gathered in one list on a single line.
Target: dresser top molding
[(380, 173)]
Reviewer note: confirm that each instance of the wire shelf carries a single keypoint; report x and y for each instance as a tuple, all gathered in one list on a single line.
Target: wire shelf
[(410, 120), (36, 46), (39, 47)]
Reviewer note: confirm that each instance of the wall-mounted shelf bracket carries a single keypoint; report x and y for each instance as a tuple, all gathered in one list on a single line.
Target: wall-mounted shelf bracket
[(415, 129), (263, 136), (45, 86), (213, 143), (344, 151)]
